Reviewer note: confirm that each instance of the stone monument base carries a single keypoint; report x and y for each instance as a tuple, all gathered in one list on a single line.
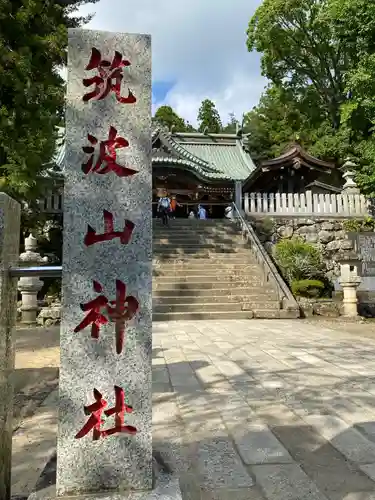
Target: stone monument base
[(166, 487)]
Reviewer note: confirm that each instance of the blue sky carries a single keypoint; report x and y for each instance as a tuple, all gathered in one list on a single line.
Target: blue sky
[(199, 50)]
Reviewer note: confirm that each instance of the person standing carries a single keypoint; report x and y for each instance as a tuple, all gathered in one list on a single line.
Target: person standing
[(202, 214), (174, 205), (164, 206)]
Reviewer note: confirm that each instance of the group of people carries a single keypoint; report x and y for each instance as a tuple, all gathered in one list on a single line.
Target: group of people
[(167, 208)]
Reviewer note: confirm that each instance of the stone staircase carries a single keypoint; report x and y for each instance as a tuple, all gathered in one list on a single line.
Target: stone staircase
[(205, 270)]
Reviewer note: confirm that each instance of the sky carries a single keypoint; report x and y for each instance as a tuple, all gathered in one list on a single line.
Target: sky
[(198, 50)]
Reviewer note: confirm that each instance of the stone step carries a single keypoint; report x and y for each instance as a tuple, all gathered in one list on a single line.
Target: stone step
[(197, 241), (178, 226), (213, 258), (204, 247), (194, 316), (230, 228), (186, 266), (195, 222), (263, 313), (213, 272), (200, 251), (186, 245), (204, 293), (226, 315), (208, 307), (213, 281), (213, 231), (199, 237), (180, 233), (248, 298)]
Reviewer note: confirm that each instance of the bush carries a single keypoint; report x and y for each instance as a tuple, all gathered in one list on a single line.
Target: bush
[(267, 226), (308, 288), (298, 260), (359, 226)]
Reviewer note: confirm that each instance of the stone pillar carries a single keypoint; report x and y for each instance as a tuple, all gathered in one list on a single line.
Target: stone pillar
[(349, 280), (238, 196), (104, 439), (10, 217), (30, 286)]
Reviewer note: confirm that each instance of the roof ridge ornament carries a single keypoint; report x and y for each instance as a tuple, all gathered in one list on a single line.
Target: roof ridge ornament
[(239, 129)]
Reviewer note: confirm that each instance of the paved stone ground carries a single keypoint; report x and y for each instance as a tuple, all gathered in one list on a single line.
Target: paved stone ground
[(37, 369), (259, 409), (266, 409)]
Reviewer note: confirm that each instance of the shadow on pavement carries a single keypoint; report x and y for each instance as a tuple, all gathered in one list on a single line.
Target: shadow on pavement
[(213, 435)]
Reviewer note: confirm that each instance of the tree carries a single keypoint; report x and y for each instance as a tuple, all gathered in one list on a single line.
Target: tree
[(33, 46), (274, 124), (209, 118), (323, 53), (167, 117), (300, 48), (232, 125)]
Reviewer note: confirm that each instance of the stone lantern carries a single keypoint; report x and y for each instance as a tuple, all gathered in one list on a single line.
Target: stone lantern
[(348, 170), (30, 286), (349, 280)]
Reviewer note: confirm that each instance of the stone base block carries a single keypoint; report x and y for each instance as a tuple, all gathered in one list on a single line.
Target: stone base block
[(166, 487)]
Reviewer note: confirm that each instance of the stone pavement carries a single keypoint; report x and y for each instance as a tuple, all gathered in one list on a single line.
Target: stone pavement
[(261, 410)]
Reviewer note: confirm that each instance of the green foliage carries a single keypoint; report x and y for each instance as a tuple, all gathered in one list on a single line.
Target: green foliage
[(320, 59), (308, 288), (54, 289), (209, 118), (266, 227), (359, 226), (275, 123), (167, 117), (300, 49), (298, 260), (231, 126), (33, 42)]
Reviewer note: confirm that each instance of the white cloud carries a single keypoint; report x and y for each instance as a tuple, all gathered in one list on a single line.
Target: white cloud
[(200, 45)]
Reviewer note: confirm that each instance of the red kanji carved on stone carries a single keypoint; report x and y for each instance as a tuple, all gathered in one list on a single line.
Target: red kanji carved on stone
[(96, 410), (109, 233), (94, 317), (109, 78), (107, 155), (125, 308)]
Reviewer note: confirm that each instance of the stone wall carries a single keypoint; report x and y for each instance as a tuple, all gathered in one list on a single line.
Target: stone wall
[(328, 234)]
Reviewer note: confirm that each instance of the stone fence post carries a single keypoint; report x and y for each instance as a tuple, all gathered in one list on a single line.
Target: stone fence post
[(30, 286), (10, 220)]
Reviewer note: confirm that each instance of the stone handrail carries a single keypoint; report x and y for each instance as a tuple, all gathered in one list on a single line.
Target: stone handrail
[(270, 271)]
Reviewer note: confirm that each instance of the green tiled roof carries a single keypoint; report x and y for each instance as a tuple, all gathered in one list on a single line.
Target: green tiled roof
[(215, 156), (229, 159), (210, 156)]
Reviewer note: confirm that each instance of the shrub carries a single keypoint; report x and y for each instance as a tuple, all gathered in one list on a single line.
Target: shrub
[(359, 226), (267, 226), (298, 260), (308, 288)]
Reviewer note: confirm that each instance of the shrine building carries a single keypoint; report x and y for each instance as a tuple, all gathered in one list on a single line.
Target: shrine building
[(196, 168), (216, 169), (294, 171)]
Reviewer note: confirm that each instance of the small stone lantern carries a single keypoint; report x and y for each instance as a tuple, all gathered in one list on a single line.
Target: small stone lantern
[(30, 286), (349, 280), (348, 170)]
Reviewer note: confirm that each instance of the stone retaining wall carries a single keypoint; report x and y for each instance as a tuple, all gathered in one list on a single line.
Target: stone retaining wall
[(328, 234)]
